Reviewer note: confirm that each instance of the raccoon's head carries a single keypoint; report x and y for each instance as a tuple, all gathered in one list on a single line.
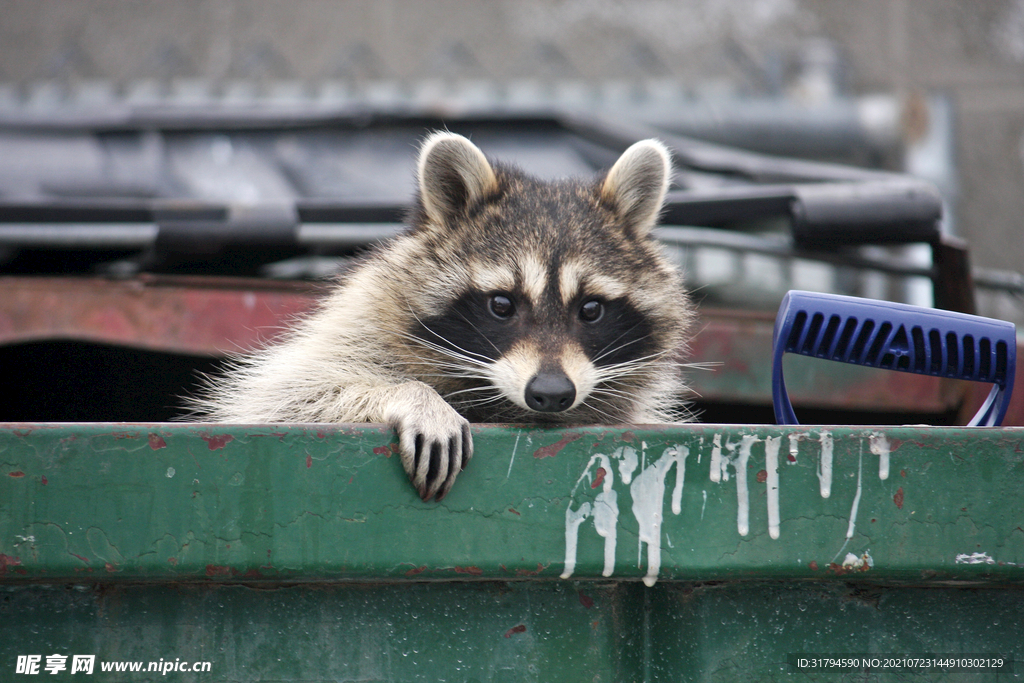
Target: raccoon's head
[(544, 301)]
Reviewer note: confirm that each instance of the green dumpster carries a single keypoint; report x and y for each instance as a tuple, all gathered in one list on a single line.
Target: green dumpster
[(688, 553)]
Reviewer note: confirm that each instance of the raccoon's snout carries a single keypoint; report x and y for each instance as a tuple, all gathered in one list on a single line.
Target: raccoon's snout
[(550, 392)]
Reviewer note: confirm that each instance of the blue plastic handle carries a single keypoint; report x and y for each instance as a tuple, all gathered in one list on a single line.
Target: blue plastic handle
[(882, 334)]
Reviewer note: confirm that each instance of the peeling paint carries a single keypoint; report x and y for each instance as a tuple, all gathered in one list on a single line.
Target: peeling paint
[(8, 561), (521, 628), (861, 563), (474, 571), (216, 441), (213, 570), (530, 572), (974, 558), (555, 448)]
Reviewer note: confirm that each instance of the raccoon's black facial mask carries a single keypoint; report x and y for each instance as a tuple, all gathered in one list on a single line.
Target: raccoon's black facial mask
[(482, 325), (486, 325), (619, 333)]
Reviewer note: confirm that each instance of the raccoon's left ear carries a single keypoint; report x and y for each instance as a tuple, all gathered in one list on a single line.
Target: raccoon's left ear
[(637, 183), (453, 175)]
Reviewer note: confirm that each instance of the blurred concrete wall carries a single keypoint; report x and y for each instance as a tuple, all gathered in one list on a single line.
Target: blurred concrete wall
[(972, 51)]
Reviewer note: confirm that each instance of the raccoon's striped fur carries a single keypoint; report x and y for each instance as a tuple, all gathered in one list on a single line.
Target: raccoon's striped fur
[(509, 300)]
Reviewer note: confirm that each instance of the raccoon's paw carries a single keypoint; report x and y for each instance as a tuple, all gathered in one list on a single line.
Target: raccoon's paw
[(435, 445)]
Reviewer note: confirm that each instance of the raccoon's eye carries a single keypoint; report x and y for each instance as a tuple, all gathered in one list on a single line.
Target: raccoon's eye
[(501, 306), (591, 311)]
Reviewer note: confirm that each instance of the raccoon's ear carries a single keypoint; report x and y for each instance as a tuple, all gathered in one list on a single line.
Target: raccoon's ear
[(637, 183), (453, 174)]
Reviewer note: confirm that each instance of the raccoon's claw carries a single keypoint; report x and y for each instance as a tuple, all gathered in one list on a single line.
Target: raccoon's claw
[(434, 452)]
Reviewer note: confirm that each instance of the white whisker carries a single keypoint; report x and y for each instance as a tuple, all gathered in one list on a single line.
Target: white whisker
[(608, 416), (604, 351), (473, 389), (477, 330), (445, 340)]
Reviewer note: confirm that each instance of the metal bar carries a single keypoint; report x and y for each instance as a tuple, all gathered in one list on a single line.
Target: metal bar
[(139, 235), (79, 235), (781, 247), (278, 503), (346, 235)]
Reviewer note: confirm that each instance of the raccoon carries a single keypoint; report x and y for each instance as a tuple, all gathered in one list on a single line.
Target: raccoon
[(509, 299)]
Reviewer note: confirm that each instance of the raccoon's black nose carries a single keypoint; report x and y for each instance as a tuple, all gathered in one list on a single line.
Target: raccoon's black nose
[(550, 392)]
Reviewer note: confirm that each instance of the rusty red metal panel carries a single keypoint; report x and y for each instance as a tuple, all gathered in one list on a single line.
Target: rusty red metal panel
[(204, 316)]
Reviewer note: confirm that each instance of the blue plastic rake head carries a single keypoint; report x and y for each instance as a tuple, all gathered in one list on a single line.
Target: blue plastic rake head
[(882, 334)]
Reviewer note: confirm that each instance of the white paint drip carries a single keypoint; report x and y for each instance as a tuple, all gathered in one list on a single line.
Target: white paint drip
[(573, 519), (677, 492), (648, 493), (627, 462), (879, 445), (794, 439), (742, 493), (825, 464), (974, 558), (716, 459), (606, 517), (852, 527), (771, 465), (605, 512), (647, 490), (720, 472)]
